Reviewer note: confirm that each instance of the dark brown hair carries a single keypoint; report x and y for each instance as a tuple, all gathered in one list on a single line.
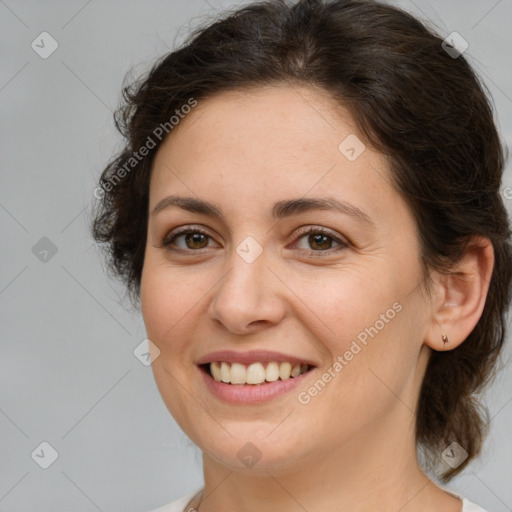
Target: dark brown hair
[(423, 108)]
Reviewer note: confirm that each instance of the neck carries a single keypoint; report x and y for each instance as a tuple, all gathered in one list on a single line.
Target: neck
[(372, 471)]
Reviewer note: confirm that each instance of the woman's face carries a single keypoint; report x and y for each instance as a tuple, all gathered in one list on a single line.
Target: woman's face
[(345, 298)]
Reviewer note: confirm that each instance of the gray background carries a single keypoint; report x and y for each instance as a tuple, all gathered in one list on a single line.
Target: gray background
[(68, 374)]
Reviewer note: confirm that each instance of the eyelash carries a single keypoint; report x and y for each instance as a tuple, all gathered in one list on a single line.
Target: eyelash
[(301, 232)]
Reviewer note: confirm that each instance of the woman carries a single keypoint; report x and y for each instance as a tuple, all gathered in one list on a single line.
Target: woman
[(308, 208)]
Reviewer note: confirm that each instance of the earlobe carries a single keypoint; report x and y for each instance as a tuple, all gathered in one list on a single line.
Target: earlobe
[(460, 296), (444, 337)]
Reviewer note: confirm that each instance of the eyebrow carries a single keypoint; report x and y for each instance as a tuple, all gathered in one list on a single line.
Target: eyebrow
[(280, 210)]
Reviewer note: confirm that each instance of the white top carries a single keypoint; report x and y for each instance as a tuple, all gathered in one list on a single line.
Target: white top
[(180, 504)]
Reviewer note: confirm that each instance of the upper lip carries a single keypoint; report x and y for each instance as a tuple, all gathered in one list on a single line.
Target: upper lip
[(251, 356)]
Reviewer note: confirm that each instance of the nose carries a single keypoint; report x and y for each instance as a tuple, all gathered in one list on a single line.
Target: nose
[(249, 297)]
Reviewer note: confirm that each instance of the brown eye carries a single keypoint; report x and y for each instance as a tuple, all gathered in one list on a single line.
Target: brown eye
[(319, 241), (196, 240), (193, 240)]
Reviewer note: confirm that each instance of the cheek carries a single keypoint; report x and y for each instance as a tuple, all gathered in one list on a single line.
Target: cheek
[(345, 304), (374, 360), (161, 314), (167, 300), (168, 296), (364, 326), (155, 306)]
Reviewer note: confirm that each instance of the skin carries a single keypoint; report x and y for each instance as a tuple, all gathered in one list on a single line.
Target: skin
[(244, 151)]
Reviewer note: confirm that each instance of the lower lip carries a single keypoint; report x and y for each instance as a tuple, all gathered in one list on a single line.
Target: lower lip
[(251, 393)]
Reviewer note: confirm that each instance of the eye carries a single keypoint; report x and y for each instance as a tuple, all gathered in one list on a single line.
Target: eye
[(193, 239), (320, 239)]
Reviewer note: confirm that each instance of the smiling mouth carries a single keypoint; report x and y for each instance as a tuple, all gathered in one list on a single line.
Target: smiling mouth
[(254, 374)]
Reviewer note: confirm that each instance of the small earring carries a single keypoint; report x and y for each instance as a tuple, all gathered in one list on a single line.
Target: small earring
[(444, 337)]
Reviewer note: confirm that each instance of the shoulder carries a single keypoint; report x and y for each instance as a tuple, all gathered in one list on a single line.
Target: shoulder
[(468, 506), (179, 504)]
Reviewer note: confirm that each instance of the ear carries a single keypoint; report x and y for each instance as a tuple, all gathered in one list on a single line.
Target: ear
[(458, 298)]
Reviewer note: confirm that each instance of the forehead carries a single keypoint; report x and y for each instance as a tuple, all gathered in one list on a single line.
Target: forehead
[(283, 118), (269, 144)]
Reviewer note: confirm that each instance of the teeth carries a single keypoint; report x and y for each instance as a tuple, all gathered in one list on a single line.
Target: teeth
[(225, 373), (216, 371), (272, 371), (285, 370), (255, 373), (295, 370), (238, 374)]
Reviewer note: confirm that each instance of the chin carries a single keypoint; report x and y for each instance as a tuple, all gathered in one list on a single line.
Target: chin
[(244, 453)]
